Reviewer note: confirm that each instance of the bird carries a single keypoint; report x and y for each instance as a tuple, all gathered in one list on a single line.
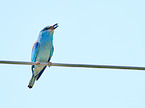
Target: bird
[(42, 51)]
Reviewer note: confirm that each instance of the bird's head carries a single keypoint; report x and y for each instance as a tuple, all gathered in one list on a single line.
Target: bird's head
[(50, 28)]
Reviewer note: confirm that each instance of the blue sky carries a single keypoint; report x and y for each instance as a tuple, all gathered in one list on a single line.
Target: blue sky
[(93, 32)]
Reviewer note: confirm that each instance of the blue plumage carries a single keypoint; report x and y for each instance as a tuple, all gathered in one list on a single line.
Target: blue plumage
[(42, 51)]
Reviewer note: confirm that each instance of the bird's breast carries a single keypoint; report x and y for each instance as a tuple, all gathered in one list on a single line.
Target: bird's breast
[(44, 50)]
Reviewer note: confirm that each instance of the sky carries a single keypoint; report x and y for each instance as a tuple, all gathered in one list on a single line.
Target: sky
[(108, 32)]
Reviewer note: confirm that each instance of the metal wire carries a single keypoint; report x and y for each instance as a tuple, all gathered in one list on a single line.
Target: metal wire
[(74, 65)]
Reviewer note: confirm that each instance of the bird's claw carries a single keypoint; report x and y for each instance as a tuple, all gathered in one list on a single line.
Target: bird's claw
[(37, 63), (49, 64)]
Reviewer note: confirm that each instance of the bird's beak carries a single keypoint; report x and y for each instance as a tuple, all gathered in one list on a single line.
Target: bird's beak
[(54, 26)]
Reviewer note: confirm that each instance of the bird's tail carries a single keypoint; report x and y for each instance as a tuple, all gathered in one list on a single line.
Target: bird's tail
[(31, 83)]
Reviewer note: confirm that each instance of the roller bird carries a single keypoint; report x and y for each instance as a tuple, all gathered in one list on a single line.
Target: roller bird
[(42, 51)]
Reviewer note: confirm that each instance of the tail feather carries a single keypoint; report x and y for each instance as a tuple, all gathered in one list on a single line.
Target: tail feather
[(40, 73), (31, 83)]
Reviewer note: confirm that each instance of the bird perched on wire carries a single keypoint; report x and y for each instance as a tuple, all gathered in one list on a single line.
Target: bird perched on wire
[(42, 51)]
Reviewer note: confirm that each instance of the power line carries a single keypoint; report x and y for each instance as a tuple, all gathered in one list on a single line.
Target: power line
[(74, 65)]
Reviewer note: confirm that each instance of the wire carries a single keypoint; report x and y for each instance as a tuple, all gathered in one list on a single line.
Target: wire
[(73, 65)]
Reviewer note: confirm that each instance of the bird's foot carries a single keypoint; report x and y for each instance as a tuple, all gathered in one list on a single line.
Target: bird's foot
[(49, 64), (37, 63)]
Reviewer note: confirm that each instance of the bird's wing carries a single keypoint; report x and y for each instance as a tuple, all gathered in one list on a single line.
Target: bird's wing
[(35, 51), (51, 53)]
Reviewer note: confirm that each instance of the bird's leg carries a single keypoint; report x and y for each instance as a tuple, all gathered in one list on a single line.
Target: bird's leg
[(49, 64), (37, 63)]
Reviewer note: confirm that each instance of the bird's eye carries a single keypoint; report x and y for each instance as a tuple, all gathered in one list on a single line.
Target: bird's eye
[(46, 28)]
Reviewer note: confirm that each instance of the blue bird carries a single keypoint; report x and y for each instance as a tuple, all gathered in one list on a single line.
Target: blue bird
[(42, 51)]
